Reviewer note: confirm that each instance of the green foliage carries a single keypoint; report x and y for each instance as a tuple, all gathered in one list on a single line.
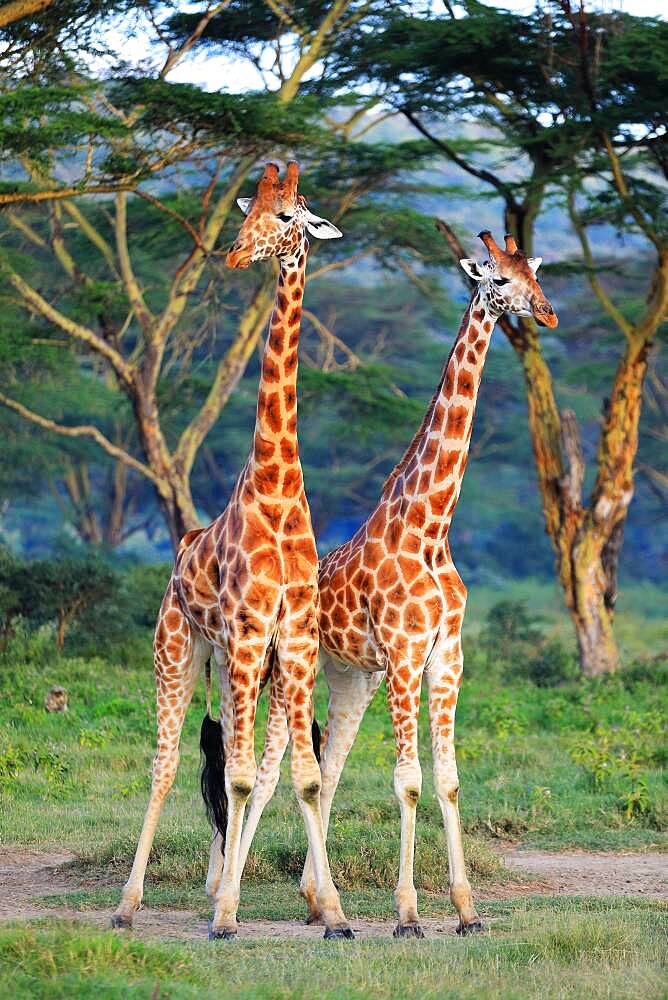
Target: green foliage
[(95, 607), (514, 644), (366, 397), (47, 760), (34, 120), (618, 757), (392, 306), (247, 120)]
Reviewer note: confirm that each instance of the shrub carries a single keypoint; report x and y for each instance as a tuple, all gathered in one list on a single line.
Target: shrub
[(552, 665), (514, 643), (509, 633), (614, 758), (56, 590)]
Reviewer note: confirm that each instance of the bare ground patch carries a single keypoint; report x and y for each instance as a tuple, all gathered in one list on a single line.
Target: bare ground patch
[(28, 875), (584, 873)]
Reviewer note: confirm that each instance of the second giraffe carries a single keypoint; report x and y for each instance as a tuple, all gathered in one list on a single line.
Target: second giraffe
[(392, 602)]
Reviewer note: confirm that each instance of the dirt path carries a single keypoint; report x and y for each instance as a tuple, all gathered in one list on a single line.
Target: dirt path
[(26, 875), (579, 873)]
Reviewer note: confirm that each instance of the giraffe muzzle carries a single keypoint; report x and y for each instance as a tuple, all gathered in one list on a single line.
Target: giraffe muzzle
[(238, 257), (545, 315)]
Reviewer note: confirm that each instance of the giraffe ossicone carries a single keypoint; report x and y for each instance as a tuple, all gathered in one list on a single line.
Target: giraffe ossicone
[(392, 602), (244, 591)]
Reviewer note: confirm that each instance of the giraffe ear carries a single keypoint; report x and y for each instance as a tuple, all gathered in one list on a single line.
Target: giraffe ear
[(321, 228), (472, 268), (534, 263), (245, 204)]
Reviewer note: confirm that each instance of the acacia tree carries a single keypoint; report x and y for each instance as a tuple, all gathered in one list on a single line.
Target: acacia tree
[(122, 139), (578, 97)]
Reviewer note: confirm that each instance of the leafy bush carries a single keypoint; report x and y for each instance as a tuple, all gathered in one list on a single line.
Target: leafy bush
[(514, 644), (552, 665), (47, 760), (84, 602), (509, 634), (615, 758), (56, 590), (12, 760)]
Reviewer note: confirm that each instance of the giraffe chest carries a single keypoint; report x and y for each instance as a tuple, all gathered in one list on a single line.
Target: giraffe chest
[(377, 605), (240, 575)]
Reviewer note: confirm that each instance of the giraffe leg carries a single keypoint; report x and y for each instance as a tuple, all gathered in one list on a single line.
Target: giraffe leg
[(350, 692), (179, 658), (240, 771), (443, 679), (404, 704), (275, 743), (297, 659), (215, 871)]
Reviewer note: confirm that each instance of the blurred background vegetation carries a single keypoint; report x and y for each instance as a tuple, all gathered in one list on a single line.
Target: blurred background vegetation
[(129, 356)]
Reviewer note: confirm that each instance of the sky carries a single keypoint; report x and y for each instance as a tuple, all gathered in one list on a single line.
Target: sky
[(212, 72)]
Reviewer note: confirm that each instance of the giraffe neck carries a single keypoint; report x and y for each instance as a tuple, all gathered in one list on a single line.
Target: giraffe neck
[(431, 471), (275, 457)]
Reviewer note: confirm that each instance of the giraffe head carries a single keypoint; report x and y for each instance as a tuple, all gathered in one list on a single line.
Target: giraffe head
[(276, 220), (508, 281)]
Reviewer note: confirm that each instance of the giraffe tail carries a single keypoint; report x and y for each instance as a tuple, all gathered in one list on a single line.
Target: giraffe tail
[(316, 738), (212, 779)]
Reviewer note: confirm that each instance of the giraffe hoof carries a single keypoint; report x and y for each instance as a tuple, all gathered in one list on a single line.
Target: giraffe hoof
[(221, 933), (121, 923), (408, 931), (475, 927), (339, 933)]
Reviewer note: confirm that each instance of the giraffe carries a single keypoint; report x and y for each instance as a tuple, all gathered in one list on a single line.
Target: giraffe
[(392, 602), (244, 589)]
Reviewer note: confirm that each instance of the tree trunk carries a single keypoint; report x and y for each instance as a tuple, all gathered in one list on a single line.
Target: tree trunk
[(586, 550), (60, 630), (592, 619), (77, 484), (173, 489), (178, 509), (116, 510)]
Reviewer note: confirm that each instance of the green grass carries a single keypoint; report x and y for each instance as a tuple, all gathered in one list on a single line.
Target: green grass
[(581, 948), (528, 760), (578, 765)]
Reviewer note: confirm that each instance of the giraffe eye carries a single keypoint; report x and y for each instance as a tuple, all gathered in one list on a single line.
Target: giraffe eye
[(500, 281), (283, 217)]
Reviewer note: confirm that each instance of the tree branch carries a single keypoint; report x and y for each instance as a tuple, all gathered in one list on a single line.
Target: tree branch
[(84, 430), (311, 55), (134, 293), (182, 221), (332, 342), (606, 302), (75, 330), (336, 265), (176, 54), (25, 228), (573, 478), (480, 172), (89, 230), (35, 197), (18, 9), (229, 371)]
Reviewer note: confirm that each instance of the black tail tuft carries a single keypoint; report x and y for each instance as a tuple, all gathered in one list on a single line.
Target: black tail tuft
[(213, 774), (315, 736)]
